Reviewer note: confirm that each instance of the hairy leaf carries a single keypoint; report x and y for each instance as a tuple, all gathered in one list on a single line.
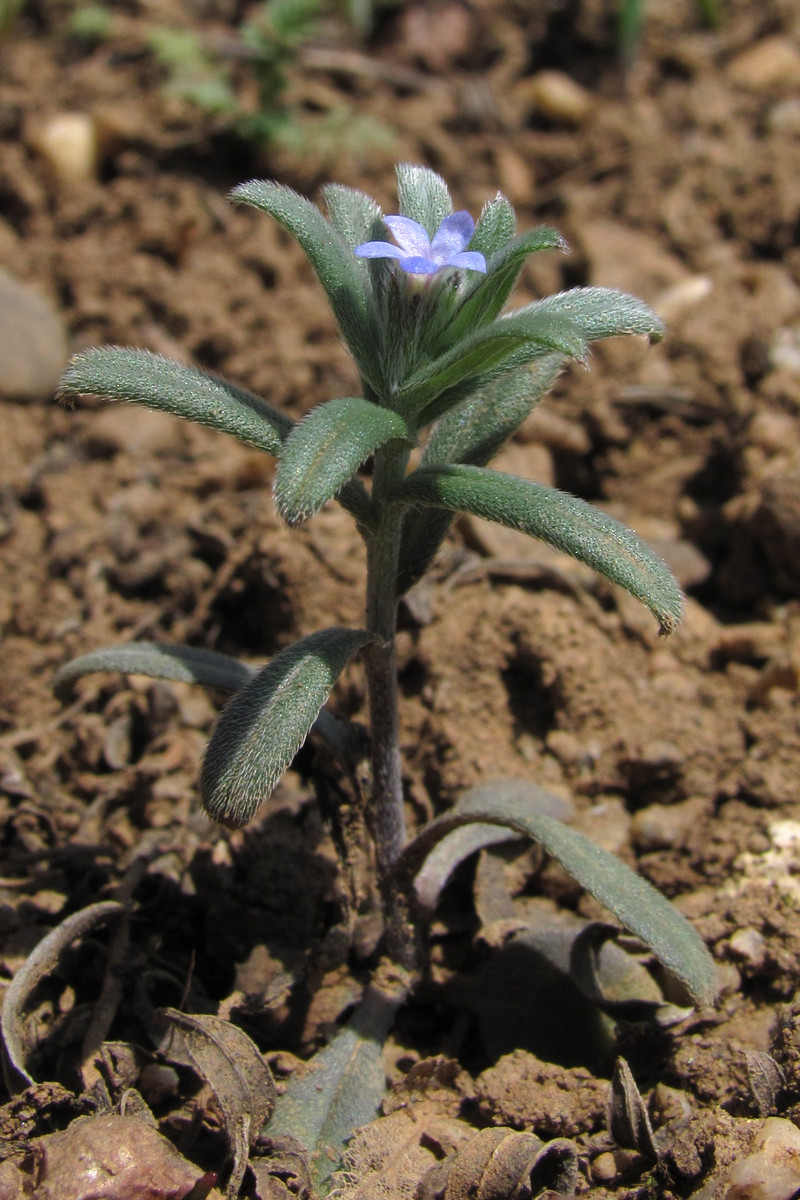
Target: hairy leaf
[(602, 313), (569, 524), (122, 373), (486, 294), (471, 432), (423, 196), (340, 1089), (495, 227), (454, 849), (338, 270), (631, 899), (355, 215), (482, 351), (159, 660), (326, 449), (266, 723)]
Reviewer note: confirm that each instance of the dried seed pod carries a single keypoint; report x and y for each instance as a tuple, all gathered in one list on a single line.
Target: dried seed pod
[(502, 1164)]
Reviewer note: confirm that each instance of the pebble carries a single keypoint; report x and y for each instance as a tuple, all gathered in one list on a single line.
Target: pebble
[(134, 428), (682, 297), (775, 432), (68, 143), (748, 945), (771, 62), (33, 344), (559, 97), (770, 1171), (784, 117), (661, 826), (784, 351)]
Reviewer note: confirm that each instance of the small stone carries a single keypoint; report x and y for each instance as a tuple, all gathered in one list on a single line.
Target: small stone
[(134, 428), (661, 826), (784, 117), (775, 432), (774, 61), (547, 428), (557, 96), (33, 345), (784, 351), (683, 297), (749, 946), (68, 143), (604, 1168)]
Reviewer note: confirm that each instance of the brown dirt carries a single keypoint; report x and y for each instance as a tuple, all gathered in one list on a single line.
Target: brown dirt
[(682, 756)]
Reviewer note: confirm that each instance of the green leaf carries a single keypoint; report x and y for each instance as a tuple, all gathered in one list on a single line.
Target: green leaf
[(561, 520), (486, 294), (602, 313), (159, 660), (122, 373), (634, 901), (431, 389), (423, 196), (266, 723), (326, 449), (340, 1088), (471, 432), (495, 226), (474, 430), (354, 214), (339, 271)]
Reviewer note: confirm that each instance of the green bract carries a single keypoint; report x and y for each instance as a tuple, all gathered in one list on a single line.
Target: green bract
[(445, 373)]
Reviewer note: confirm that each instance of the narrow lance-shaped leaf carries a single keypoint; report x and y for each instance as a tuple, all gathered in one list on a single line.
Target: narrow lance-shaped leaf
[(122, 373), (634, 901), (486, 294), (338, 270), (471, 432), (355, 215), (602, 313), (326, 449), (561, 520), (340, 1089), (488, 348), (159, 660), (266, 723), (495, 227), (423, 196)]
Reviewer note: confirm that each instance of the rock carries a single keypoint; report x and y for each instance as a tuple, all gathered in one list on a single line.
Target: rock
[(774, 61), (784, 351), (134, 428), (33, 344), (629, 259), (557, 96), (68, 144), (662, 826), (681, 297)]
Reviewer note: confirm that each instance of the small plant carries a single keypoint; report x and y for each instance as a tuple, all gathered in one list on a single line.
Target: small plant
[(447, 374), (199, 71)]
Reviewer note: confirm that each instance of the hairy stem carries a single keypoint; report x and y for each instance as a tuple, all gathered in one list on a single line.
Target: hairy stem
[(387, 821)]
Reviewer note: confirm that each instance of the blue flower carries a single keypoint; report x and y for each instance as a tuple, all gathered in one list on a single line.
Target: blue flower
[(418, 255)]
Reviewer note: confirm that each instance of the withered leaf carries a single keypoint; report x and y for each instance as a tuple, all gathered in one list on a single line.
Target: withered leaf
[(225, 1057), (39, 963), (628, 1122), (766, 1081), (502, 1164)]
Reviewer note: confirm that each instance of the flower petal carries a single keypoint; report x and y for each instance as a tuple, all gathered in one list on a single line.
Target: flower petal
[(409, 235), (470, 260), (377, 250), (453, 235), (419, 265)]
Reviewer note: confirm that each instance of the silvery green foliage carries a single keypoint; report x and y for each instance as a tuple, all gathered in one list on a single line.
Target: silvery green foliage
[(446, 372)]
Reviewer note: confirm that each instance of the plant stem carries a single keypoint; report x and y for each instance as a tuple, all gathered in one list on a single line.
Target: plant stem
[(386, 816)]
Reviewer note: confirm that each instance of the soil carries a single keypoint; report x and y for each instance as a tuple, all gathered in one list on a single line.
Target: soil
[(675, 178)]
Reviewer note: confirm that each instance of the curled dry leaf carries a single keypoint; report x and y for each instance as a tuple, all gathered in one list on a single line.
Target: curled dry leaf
[(122, 1152), (501, 1164), (39, 963), (628, 1122), (225, 1057)]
